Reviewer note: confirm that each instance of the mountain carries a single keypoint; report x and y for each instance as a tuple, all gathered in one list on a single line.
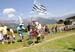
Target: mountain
[(14, 23), (68, 15), (46, 20), (41, 20), (63, 17)]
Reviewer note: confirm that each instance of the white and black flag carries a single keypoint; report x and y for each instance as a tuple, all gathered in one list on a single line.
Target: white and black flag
[(39, 8)]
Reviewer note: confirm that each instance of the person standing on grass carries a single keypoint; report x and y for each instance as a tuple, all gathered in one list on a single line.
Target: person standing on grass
[(46, 30), (52, 29), (4, 31), (56, 28), (10, 36), (20, 30), (1, 37), (29, 30)]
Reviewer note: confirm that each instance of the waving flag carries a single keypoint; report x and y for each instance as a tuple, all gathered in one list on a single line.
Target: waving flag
[(38, 7), (35, 6), (43, 7)]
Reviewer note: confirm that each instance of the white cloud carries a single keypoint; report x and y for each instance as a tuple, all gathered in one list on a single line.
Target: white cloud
[(11, 15), (46, 15), (41, 14), (9, 12)]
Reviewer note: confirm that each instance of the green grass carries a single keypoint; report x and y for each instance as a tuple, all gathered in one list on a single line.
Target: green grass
[(60, 45), (53, 25), (58, 34), (8, 47), (50, 45)]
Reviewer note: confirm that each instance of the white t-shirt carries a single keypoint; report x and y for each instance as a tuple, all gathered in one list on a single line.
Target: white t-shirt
[(39, 26), (4, 30), (1, 36), (1, 28)]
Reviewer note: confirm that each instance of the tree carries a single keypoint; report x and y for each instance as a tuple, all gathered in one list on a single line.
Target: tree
[(60, 21), (72, 17), (67, 22)]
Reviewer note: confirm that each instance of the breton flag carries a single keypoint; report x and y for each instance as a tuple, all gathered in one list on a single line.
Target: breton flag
[(38, 7), (43, 7)]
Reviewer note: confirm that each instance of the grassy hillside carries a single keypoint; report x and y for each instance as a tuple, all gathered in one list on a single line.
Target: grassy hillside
[(51, 45), (53, 25), (61, 45)]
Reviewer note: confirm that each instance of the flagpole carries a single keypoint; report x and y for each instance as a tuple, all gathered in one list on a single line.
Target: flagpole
[(20, 20)]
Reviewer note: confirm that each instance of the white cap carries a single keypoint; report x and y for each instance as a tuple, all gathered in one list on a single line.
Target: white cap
[(21, 24)]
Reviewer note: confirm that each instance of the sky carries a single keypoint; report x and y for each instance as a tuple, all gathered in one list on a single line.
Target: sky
[(11, 9)]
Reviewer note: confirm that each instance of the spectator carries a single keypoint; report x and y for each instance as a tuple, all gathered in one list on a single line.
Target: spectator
[(29, 29), (1, 37)]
